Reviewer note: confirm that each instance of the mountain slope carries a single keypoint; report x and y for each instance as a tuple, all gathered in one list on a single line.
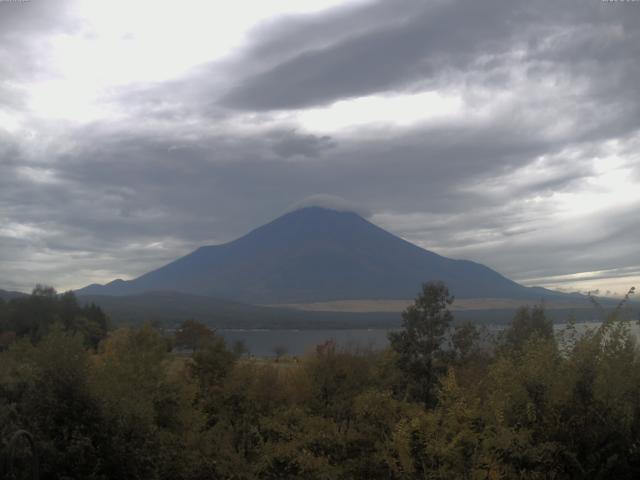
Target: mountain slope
[(315, 254), (7, 295)]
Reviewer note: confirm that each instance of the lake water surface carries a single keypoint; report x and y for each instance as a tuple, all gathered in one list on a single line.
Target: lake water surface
[(262, 343)]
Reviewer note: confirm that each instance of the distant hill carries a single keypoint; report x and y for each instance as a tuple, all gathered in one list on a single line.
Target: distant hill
[(7, 295), (314, 255)]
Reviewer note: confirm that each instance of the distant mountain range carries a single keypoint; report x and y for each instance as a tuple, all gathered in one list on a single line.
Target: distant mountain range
[(316, 255)]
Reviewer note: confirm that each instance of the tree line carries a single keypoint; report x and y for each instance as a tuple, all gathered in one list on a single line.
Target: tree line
[(444, 401), (33, 317)]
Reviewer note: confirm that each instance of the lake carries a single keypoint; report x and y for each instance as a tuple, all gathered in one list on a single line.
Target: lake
[(262, 343)]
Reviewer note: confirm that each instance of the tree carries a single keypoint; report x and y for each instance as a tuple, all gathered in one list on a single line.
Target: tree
[(526, 324), (146, 402), (419, 344), (212, 362), (46, 390), (193, 335), (35, 315), (464, 341)]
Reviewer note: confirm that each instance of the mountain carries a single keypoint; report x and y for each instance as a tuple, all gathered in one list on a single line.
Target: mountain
[(316, 254)]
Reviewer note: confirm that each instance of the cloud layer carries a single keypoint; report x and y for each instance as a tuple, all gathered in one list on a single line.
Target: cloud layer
[(502, 132)]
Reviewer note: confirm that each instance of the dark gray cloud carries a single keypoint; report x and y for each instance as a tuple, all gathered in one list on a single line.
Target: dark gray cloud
[(290, 144), (549, 96), (436, 44)]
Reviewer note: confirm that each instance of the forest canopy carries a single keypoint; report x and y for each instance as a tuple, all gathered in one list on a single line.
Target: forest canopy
[(445, 400)]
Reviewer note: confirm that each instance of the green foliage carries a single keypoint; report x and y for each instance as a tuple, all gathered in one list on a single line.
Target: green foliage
[(193, 335), (211, 363), (419, 344), (527, 323), (533, 405), (147, 405), (464, 345), (34, 316), (46, 390)]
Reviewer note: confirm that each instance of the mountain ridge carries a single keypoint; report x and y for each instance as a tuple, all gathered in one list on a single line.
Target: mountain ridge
[(10, 295)]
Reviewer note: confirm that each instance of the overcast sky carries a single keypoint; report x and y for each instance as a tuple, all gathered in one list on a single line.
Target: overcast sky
[(504, 132)]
